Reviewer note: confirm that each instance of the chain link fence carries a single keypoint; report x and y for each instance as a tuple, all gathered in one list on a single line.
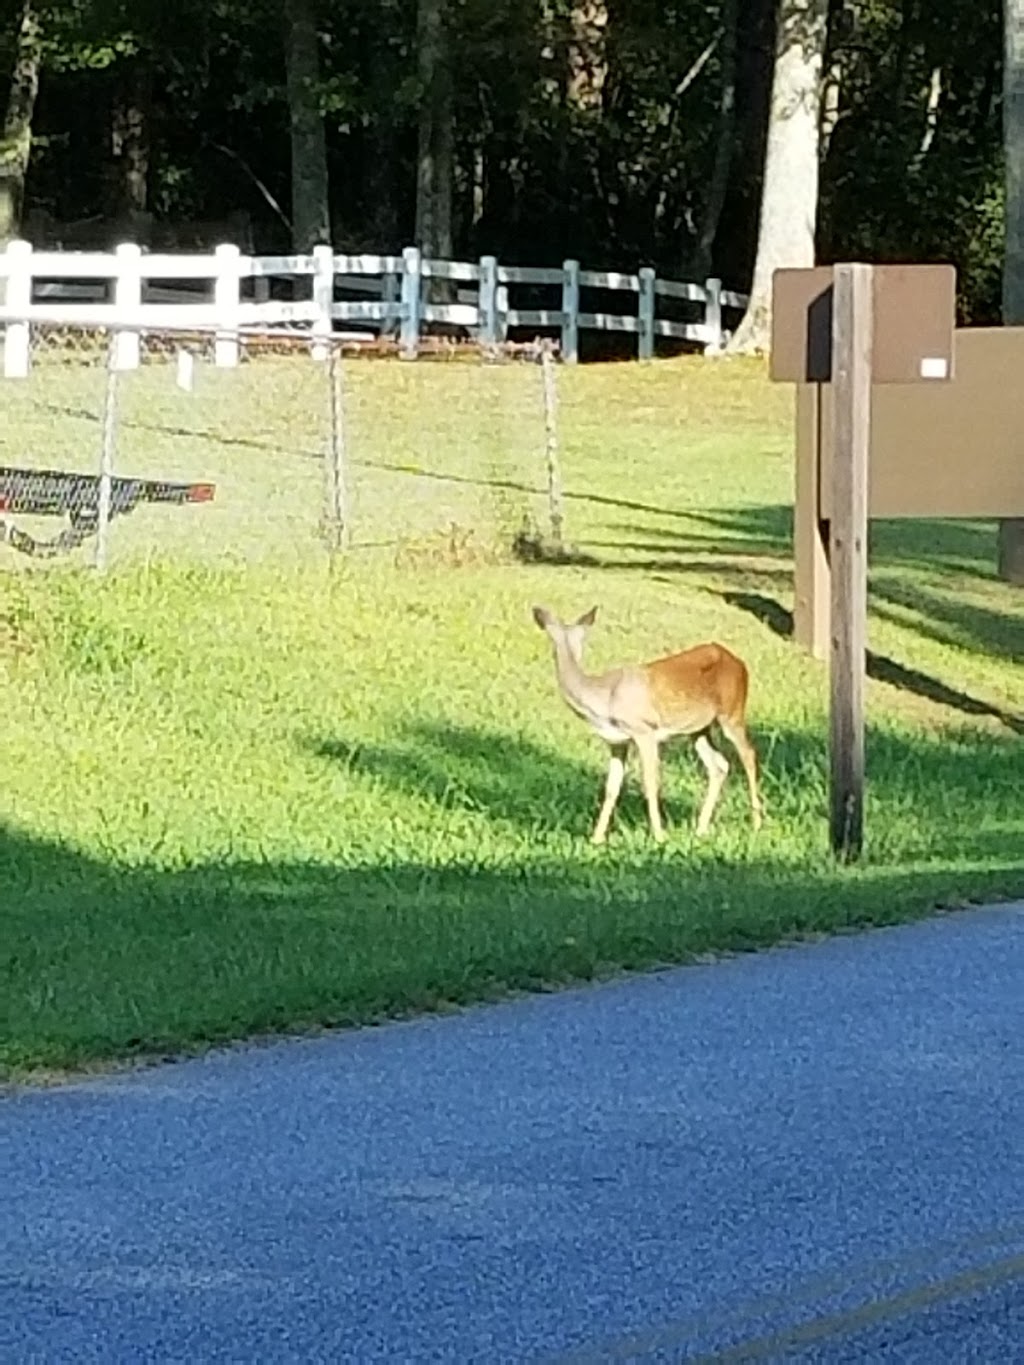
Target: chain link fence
[(123, 444)]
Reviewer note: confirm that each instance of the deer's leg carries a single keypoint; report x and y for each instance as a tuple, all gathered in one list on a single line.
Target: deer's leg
[(717, 766), (647, 747), (612, 787), (740, 740)]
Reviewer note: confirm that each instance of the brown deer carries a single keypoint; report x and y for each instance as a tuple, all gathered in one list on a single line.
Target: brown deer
[(644, 704)]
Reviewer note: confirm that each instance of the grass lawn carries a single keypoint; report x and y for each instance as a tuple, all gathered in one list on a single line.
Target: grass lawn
[(241, 794)]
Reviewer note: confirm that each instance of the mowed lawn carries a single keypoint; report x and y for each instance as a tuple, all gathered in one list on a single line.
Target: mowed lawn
[(240, 793)]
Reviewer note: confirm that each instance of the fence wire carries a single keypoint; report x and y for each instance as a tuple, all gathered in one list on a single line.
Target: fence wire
[(123, 444)]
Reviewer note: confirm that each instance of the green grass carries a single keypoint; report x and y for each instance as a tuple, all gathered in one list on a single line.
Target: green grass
[(240, 793)]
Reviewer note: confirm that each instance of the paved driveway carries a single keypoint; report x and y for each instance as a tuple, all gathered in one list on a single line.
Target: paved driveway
[(814, 1153)]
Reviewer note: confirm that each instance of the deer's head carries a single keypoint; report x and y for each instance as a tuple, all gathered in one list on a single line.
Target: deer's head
[(569, 637)]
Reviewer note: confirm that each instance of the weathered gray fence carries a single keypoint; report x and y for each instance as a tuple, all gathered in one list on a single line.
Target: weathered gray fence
[(402, 296)]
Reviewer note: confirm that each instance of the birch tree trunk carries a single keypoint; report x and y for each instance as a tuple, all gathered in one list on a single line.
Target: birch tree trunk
[(1011, 532), (311, 213), (16, 139), (130, 143), (789, 198)]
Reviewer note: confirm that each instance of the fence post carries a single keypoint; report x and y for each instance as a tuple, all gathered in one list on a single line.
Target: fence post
[(645, 317), (412, 287), (501, 305), (226, 297), (106, 479), (18, 298), (322, 291), (570, 311), (488, 301), (390, 297), (712, 316), (555, 506), (323, 300), (335, 521), (127, 300)]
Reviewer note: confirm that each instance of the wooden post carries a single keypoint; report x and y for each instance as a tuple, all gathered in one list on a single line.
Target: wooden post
[(570, 311), (712, 316), (488, 301), (852, 331), (1010, 544), (389, 293), (812, 576), (1011, 550), (412, 301), (645, 319), (18, 298)]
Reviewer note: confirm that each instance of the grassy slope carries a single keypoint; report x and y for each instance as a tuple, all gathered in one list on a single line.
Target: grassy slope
[(251, 796)]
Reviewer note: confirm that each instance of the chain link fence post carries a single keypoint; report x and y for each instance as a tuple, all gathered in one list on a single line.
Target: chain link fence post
[(556, 505), (107, 448), (336, 529)]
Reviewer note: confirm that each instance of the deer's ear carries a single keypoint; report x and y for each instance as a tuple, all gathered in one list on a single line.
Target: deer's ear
[(542, 616), (588, 618)]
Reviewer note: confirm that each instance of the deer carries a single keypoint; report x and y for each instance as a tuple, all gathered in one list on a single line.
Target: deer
[(645, 704)]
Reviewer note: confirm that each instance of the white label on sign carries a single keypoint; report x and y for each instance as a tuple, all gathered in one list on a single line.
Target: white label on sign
[(934, 367), (186, 370)]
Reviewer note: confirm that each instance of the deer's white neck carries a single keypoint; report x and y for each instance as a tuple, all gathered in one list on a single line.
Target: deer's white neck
[(574, 684)]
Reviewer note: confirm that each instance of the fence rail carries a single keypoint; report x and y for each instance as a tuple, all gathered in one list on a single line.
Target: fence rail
[(395, 296)]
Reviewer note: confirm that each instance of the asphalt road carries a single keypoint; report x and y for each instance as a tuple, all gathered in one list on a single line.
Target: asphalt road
[(815, 1153)]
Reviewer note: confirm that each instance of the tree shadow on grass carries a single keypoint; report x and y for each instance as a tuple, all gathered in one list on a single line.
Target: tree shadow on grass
[(743, 546), (950, 620), (99, 959), (880, 667), (766, 531)]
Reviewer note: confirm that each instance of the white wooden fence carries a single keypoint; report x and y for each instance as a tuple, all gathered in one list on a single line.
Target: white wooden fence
[(228, 292)]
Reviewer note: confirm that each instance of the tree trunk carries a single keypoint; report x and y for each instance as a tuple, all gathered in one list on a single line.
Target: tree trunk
[(725, 144), (130, 141), (435, 170), (789, 198), (383, 148), (1011, 532), (16, 140), (311, 213), (755, 64)]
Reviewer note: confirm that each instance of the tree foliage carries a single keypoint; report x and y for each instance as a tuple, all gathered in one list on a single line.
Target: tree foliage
[(615, 131)]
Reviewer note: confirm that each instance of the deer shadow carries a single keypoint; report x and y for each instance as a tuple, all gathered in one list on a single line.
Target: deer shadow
[(517, 782)]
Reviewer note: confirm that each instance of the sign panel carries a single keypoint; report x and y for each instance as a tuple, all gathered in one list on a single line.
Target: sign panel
[(952, 449), (915, 316)]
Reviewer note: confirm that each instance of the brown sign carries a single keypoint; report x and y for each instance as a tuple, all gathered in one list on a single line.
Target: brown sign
[(915, 314), (948, 450)]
